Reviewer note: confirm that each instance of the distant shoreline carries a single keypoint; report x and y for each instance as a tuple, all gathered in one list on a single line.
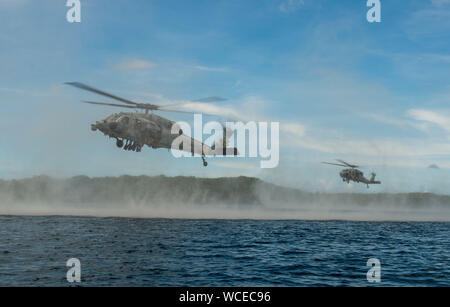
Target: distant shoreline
[(236, 198), (47, 187)]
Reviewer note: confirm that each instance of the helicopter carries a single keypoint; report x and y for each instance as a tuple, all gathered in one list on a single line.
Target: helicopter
[(352, 173), (133, 131)]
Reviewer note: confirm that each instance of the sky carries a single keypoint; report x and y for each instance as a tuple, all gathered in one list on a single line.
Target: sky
[(374, 94)]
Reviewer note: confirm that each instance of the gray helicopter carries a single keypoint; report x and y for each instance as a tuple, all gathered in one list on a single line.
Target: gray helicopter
[(132, 131), (353, 174)]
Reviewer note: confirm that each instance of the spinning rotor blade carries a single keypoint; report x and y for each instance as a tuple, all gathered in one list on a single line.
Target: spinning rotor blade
[(347, 164), (209, 99), (110, 104), (335, 164), (177, 111), (99, 92), (135, 105)]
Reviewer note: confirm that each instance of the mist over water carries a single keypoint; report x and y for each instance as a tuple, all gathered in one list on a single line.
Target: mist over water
[(311, 212), (195, 198)]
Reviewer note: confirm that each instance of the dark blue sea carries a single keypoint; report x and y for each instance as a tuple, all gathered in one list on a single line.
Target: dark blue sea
[(165, 252)]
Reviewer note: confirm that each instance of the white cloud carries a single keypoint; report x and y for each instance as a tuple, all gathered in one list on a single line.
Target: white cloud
[(374, 147), (295, 135), (246, 109), (398, 122), (135, 64), (296, 129), (441, 119)]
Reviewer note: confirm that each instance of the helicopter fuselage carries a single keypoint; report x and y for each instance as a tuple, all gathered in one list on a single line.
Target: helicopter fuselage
[(137, 128), (353, 174), (134, 130)]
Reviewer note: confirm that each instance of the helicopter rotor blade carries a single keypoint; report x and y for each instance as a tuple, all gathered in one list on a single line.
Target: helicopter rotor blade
[(347, 164), (99, 92), (110, 104), (209, 99), (144, 106), (178, 111), (136, 107), (335, 164)]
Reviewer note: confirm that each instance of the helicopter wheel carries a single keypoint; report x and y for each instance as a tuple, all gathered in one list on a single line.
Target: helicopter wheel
[(119, 143), (205, 164)]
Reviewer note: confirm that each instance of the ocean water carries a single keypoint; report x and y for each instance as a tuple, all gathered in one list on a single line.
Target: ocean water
[(169, 252)]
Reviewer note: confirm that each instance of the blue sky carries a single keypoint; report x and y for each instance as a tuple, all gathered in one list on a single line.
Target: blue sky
[(374, 94)]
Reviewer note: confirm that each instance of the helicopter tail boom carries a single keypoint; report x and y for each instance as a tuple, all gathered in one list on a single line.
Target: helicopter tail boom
[(372, 179)]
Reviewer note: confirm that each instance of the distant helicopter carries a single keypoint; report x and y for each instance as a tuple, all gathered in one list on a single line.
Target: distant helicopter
[(134, 130), (353, 174)]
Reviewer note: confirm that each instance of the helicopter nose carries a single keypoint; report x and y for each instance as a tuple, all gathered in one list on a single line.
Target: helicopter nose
[(97, 126)]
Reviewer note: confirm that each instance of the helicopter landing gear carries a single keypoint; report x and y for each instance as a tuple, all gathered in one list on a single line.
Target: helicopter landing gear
[(119, 143), (130, 146)]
